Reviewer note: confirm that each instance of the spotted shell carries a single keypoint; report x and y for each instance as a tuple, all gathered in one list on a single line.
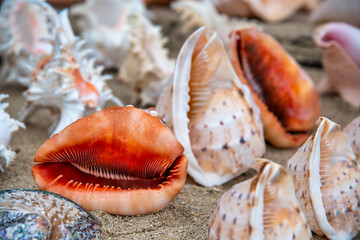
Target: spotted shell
[(23, 26), (352, 130), (326, 177), (69, 83), (34, 214), (339, 44), (287, 98), (121, 160), (7, 127), (204, 13), (263, 207), (210, 112), (125, 38)]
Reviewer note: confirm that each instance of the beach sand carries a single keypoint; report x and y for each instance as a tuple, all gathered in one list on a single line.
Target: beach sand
[(187, 216)]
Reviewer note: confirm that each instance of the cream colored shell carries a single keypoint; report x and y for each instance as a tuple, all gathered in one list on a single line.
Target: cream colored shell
[(263, 207), (22, 44), (7, 127), (69, 83), (352, 130), (211, 112), (326, 177)]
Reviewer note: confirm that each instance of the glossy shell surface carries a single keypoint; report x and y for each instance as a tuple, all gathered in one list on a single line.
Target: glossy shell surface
[(352, 130), (285, 94), (34, 214), (326, 178), (263, 207), (210, 112), (121, 160)]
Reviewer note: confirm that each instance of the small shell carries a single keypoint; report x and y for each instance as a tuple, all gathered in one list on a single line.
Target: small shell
[(211, 113), (337, 11), (125, 38), (339, 43), (326, 177), (22, 43), (270, 10), (263, 207), (69, 82), (204, 13), (284, 92), (34, 214), (352, 130), (7, 127), (129, 164)]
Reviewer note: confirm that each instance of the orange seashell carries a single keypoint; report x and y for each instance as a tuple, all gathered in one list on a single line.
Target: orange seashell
[(121, 160), (285, 94)]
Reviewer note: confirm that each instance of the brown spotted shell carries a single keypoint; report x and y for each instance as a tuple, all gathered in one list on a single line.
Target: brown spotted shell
[(326, 177), (353, 132), (263, 207), (211, 113)]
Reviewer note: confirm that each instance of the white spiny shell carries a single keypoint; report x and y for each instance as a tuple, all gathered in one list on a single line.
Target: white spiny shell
[(211, 112), (23, 27), (69, 82), (133, 44), (326, 177), (263, 207), (203, 13), (7, 127), (353, 132)]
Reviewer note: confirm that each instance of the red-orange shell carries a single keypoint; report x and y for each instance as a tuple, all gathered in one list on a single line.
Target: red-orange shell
[(285, 94), (121, 160)]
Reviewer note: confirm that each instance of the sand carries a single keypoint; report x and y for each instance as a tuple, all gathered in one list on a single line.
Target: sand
[(187, 216)]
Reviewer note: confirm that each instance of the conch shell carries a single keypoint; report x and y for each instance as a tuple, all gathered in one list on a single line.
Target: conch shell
[(287, 98), (211, 113), (7, 127), (121, 160), (203, 13), (326, 178), (24, 26), (352, 130), (263, 207), (337, 11), (124, 37), (270, 11), (69, 83), (339, 43)]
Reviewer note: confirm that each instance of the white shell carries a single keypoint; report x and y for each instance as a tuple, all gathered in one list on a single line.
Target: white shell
[(22, 42), (69, 82), (7, 127), (352, 130), (263, 207), (326, 177), (125, 38), (220, 128), (203, 13)]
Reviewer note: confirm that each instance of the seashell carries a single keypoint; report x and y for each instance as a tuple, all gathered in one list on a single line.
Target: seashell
[(34, 214), (263, 207), (211, 113), (337, 11), (325, 176), (269, 11), (129, 164), (288, 101), (352, 130), (7, 127), (204, 13), (339, 43), (22, 42), (69, 83), (125, 38)]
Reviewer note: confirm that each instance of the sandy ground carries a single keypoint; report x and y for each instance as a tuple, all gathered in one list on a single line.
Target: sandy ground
[(187, 216)]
